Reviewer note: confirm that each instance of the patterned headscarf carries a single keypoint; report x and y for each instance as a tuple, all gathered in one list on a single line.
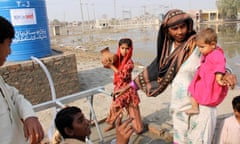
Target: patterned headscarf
[(156, 77), (172, 17)]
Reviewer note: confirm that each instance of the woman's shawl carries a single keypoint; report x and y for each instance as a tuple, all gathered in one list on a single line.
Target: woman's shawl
[(155, 78)]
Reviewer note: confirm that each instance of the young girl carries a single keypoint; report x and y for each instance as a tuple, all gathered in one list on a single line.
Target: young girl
[(207, 87), (129, 100)]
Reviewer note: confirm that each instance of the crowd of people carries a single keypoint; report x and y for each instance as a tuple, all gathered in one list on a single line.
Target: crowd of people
[(181, 54), (20, 125), (192, 63)]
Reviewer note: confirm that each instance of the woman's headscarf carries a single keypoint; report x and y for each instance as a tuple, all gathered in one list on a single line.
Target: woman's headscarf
[(121, 62), (172, 17), (156, 77)]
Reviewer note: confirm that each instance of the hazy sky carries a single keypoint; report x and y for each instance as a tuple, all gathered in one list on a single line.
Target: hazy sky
[(69, 10)]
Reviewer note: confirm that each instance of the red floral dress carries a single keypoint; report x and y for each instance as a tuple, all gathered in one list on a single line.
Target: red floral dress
[(130, 97), (125, 77)]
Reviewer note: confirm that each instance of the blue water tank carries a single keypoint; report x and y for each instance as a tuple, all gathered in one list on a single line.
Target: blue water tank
[(29, 18)]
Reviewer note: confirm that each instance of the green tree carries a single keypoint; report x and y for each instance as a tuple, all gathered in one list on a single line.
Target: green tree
[(228, 8)]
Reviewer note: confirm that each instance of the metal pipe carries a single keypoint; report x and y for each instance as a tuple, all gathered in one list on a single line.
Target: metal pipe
[(95, 119), (53, 92), (59, 102), (67, 99)]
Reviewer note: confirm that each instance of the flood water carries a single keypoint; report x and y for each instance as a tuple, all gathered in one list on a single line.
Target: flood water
[(144, 42)]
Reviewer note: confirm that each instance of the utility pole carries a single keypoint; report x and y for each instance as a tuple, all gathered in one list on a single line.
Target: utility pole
[(144, 10), (88, 17), (81, 14), (93, 11), (115, 14), (88, 12)]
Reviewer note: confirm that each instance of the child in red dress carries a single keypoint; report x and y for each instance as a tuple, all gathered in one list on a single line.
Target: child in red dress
[(128, 101)]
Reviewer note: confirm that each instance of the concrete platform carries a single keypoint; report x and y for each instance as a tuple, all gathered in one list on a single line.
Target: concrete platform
[(153, 136)]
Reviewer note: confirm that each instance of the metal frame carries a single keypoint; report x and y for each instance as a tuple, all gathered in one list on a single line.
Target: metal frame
[(59, 102)]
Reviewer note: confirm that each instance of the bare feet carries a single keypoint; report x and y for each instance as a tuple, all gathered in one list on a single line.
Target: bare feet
[(192, 111), (110, 127)]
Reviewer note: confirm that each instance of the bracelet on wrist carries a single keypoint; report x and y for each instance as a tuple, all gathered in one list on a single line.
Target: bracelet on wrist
[(133, 85)]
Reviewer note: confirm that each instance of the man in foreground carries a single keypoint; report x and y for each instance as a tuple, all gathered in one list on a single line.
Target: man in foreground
[(19, 125), (75, 128)]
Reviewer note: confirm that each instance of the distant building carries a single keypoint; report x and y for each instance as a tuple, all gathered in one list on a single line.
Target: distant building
[(206, 18), (200, 16), (56, 30), (143, 20), (102, 23)]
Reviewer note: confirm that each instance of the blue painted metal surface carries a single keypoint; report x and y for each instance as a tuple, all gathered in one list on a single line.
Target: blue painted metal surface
[(29, 18)]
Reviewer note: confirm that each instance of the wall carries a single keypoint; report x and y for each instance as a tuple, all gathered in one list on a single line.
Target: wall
[(30, 79)]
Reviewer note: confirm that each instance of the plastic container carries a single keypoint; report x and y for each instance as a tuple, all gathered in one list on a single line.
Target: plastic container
[(29, 18)]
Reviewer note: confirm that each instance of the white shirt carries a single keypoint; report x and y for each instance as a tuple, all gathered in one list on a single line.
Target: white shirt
[(230, 133), (13, 108)]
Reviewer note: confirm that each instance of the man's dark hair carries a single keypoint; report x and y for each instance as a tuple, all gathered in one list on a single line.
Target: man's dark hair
[(64, 118), (6, 29), (236, 103)]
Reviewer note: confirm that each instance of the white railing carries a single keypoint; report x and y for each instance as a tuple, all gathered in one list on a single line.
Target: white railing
[(60, 102)]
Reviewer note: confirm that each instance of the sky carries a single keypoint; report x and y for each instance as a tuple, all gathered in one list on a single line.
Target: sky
[(70, 10)]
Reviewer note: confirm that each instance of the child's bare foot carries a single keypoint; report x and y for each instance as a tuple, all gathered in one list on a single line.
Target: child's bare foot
[(192, 111), (110, 127)]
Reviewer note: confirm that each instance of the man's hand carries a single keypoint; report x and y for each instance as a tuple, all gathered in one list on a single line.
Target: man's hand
[(33, 130), (123, 130), (230, 80)]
